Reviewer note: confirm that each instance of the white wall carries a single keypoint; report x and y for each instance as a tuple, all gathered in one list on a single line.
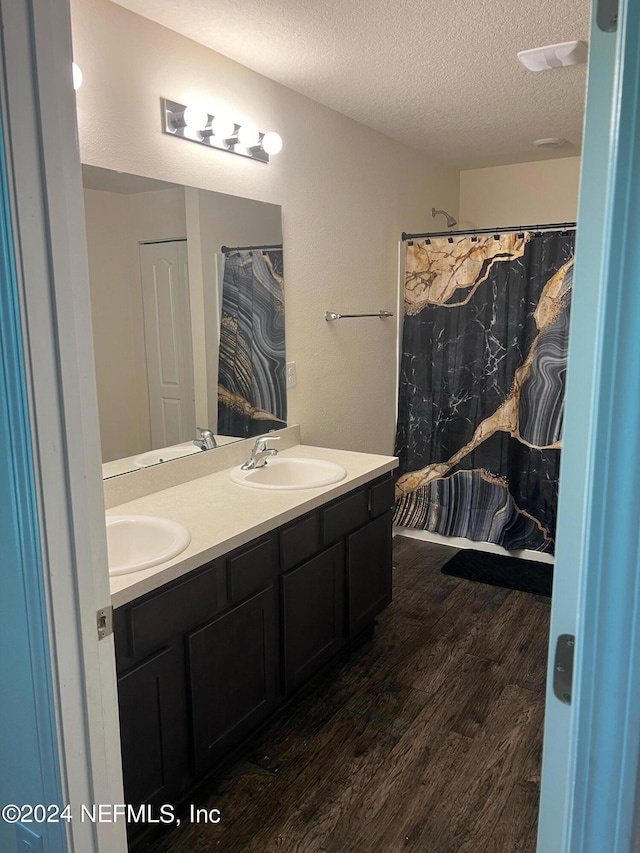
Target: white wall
[(116, 224), (520, 194), (346, 191)]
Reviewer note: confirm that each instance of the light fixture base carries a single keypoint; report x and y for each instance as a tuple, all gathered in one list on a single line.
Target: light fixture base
[(171, 109), (554, 56), (550, 142)]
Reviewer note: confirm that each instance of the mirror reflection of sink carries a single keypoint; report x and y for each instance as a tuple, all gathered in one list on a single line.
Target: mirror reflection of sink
[(290, 472), (136, 542), (164, 454), (177, 451)]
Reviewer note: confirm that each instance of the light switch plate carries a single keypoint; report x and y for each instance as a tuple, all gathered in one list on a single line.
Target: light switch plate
[(291, 374)]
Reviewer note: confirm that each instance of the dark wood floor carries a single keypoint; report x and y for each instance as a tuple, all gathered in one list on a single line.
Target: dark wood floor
[(427, 739)]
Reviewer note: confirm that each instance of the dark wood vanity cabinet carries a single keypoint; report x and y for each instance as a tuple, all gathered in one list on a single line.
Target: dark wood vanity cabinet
[(153, 728), (313, 628), (233, 676), (368, 572), (153, 692), (205, 659)]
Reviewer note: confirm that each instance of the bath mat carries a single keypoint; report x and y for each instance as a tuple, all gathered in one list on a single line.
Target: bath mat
[(499, 570)]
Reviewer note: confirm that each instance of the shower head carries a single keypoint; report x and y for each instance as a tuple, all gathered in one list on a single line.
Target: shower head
[(451, 221)]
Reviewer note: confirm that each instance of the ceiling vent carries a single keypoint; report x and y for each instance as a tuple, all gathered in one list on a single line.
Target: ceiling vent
[(554, 56)]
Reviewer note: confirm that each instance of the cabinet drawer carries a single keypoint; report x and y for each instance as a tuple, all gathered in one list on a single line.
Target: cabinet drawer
[(251, 570), (299, 541), (382, 496), (183, 606), (345, 515)]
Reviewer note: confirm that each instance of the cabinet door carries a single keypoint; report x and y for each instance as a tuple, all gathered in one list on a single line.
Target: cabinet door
[(368, 572), (232, 665), (312, 615), (153, 728)]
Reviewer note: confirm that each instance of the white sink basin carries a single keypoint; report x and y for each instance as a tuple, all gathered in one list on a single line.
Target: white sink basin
[(164, 454), (290, 472), (136, 542)]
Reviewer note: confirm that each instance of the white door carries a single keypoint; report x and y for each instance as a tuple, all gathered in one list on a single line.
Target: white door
[(167, 330)]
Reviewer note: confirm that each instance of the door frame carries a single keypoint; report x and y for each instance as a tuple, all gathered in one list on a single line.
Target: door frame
[(592, 747), (605, 723), (29, 754), (605, 741), (52, 275)]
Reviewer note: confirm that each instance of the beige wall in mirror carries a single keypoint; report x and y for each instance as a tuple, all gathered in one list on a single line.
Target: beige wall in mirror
[(137, 230), (346, 192)]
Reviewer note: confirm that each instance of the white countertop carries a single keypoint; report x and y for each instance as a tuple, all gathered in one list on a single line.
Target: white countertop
[(222, 515)]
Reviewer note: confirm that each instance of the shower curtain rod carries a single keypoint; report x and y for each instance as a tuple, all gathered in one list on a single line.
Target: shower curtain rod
[(225, 249), (553, 226)]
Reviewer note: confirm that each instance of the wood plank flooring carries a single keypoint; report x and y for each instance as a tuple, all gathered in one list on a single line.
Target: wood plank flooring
[(427, 739)]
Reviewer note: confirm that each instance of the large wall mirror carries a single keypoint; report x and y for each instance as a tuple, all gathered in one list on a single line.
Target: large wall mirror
[(186, 335)]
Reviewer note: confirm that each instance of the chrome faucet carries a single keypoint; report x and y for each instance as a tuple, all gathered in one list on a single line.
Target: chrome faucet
[(208, 439), (260, 452)]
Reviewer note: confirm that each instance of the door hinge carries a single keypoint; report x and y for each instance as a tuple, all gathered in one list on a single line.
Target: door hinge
[(607, 15), (563, 668), (104, 621)]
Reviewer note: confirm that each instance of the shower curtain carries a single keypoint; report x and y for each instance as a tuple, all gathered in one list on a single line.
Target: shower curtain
[(481, 391), (252, 394)]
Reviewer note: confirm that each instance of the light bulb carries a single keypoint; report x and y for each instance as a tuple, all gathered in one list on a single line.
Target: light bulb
[(195, 118), (272, 142), (222, 126), (77, 75), (248, 135)]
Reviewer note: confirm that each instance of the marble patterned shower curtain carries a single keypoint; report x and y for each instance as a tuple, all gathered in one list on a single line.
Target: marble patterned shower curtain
[(482, 387), (252, 394)]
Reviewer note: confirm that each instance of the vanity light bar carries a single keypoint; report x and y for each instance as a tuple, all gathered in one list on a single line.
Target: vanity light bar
[(218, 131)]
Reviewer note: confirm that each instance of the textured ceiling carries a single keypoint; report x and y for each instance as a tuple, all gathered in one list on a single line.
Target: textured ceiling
[(440, 75)]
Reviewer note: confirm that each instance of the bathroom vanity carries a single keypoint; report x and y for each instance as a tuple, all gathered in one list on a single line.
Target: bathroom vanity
[(204, 658)]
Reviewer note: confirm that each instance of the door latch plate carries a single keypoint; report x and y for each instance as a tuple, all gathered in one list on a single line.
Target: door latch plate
[(104, 621), (563, 668), (607, 15)]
